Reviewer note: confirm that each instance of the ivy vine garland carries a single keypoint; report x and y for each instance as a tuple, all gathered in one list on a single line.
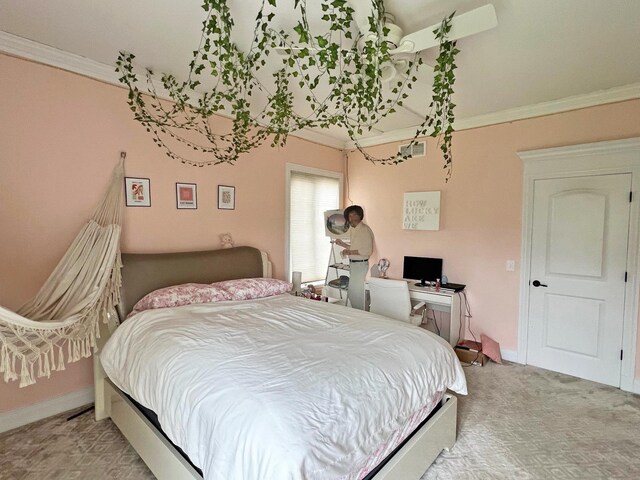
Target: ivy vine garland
[(339, 72)]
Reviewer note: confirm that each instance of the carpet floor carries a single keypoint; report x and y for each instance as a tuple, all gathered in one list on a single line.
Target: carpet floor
[(516, 423)]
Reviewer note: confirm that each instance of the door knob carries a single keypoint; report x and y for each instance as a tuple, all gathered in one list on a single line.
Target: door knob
[(537, 283)]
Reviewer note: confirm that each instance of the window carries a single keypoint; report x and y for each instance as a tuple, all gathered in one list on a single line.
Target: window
[(310, 193)]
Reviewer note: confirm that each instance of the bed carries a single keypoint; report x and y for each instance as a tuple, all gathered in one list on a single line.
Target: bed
[(276, 437)]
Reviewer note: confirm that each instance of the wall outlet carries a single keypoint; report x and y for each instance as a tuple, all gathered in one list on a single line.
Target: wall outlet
[(511, 265)]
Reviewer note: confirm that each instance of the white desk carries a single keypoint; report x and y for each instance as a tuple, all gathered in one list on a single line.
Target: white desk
[(442, 301)]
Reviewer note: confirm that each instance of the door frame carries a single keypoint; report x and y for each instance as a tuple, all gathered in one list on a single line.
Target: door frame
[(622, 156)]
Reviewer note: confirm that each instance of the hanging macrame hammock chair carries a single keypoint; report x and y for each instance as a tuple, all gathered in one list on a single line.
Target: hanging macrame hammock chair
[(63, 319)]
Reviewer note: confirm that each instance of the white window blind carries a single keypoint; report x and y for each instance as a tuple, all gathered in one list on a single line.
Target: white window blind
[(310, 196)]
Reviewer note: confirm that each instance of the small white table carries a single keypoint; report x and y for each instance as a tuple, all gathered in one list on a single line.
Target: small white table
[(443, 301)]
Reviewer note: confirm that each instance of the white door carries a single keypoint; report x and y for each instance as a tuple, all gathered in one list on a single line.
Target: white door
[(577, 284)]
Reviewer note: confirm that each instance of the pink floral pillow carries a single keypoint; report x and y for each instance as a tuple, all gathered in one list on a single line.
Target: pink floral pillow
[(248, 288), (185, 294)]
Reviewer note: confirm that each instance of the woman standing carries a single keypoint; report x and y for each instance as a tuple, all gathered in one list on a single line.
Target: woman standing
[(358, 250)]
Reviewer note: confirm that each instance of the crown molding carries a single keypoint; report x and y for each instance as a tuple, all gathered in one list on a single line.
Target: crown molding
[(583, 150), (54, 57), (38, 52), (612, 95), (601, 97), (319, 138)]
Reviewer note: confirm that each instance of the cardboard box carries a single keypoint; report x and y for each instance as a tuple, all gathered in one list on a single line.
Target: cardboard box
[(471, 356)]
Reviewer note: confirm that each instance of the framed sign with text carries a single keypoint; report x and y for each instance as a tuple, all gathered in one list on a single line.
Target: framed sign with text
[(421, 211)]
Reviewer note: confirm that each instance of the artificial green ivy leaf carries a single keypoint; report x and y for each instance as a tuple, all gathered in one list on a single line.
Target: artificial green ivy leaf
[(302, 33)]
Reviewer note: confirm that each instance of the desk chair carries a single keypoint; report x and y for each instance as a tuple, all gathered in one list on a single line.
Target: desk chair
[(391, 299)]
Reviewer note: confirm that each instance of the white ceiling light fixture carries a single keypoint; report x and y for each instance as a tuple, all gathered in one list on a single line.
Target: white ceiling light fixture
[(345, 66)]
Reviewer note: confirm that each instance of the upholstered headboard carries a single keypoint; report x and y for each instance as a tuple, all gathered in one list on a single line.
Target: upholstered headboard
[(145, 272)]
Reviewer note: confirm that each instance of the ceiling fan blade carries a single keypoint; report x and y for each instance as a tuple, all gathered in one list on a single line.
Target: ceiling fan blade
[(464, 25)]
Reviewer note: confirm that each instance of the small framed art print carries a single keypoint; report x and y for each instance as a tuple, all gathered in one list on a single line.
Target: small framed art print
[(226, 197), (137, 192), (186, 195)]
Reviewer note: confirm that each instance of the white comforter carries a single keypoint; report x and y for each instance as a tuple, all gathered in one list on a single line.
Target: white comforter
[(278, 388)]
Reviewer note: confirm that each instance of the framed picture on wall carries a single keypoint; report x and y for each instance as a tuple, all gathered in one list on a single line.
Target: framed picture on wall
[(226, 197), (421, 211), (137, 192), (186, 195)]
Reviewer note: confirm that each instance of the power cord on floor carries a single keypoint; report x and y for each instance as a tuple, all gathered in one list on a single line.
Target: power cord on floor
[(435, 322), (468, 316), (426, 319), (81, 412)]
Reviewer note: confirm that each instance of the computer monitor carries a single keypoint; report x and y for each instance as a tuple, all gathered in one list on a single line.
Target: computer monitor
[(422, 268)]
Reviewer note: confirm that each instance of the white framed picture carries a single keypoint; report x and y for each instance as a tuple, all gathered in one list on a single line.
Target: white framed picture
[(421, 211), (335, 225), (186, 195), (137, 192), (226, 197)]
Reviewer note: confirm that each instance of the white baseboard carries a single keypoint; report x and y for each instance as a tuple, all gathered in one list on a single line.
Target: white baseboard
[(509, 355), (23, 416)]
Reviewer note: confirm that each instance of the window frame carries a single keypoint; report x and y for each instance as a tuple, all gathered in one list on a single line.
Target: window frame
[(293, 167)]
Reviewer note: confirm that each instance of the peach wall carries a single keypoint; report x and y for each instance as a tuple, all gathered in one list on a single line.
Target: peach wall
[(60, 136), (481, 206)]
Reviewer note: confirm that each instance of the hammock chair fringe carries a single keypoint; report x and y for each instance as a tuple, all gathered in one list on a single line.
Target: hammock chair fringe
[(82, 292)]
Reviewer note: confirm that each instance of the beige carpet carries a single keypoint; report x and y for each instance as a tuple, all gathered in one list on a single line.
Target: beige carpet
[(517, 423)]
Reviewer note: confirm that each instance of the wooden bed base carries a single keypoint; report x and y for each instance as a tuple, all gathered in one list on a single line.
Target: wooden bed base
[(166, 463)]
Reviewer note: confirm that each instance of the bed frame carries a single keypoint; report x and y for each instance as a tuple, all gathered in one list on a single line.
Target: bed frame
[(143, 273)]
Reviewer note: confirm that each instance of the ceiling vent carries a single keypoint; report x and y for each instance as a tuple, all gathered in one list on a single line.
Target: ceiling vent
[(419, 149)]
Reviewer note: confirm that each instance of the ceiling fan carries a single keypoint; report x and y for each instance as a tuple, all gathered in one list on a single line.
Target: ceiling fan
[(464, 25)]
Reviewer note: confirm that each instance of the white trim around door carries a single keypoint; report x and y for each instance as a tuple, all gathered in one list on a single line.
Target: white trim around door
[(612, 157)]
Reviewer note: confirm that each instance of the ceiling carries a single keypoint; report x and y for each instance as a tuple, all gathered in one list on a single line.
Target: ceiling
[(542, 51)]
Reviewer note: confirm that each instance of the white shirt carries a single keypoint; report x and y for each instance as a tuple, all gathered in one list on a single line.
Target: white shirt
[(361, 240)]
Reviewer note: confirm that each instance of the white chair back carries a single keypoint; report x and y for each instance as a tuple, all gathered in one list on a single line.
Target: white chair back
[(390, 298)]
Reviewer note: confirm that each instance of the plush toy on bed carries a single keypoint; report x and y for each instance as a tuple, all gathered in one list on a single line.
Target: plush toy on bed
[(226, 241)]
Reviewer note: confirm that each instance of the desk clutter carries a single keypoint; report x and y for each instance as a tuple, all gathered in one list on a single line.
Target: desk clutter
[(309, 291)]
